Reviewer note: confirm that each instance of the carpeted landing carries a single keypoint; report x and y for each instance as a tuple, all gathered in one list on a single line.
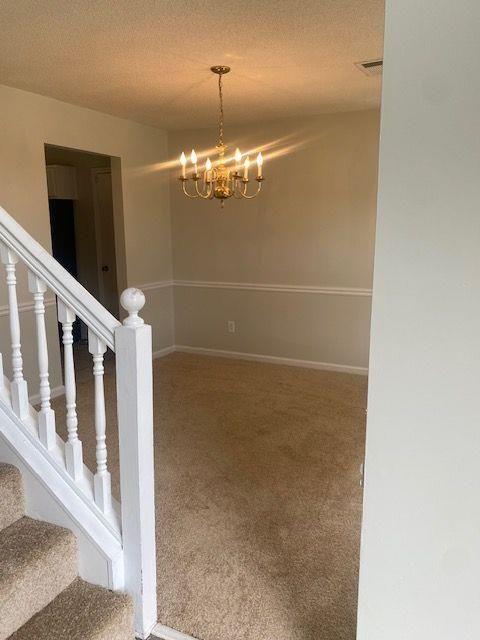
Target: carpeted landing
[(258, 501)]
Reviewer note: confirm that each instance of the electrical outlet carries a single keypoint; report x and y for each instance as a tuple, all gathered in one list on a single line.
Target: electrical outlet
[(231, 326)]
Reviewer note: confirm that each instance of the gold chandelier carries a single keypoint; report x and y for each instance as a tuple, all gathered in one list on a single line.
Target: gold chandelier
[(218, 179)]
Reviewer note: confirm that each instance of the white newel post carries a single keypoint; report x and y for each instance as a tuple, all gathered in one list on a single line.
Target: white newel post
[(18, 387), (46, 415), (73, 446), (133, 347)]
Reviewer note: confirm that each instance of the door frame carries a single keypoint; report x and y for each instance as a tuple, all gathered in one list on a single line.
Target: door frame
[(98, 239), (98, 233)]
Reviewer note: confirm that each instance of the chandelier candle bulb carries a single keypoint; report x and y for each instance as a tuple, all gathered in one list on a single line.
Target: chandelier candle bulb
[(208, 170), (193, 158), (224, 181), (183, 162), (246, 165), (238, 159), (259, 164)]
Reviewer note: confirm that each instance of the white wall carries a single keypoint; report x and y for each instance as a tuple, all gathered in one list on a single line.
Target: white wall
[(27, 122), (420, 559), (312, 226)]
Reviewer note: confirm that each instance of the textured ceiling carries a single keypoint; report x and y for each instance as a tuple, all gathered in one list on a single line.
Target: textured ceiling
[(148, 60)]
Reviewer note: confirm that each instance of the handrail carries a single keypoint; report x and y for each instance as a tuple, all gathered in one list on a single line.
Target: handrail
[(134, 571), (64, 285)]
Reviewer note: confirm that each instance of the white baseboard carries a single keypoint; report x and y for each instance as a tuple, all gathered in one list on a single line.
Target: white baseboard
[(54, 393), (163, 352), (257, 357), (166, 633)]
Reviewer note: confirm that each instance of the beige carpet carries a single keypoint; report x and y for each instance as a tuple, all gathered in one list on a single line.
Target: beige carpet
[(257, 495)]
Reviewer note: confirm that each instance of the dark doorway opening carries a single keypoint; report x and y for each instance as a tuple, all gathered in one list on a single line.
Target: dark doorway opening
[(83, 220), (62, 229)]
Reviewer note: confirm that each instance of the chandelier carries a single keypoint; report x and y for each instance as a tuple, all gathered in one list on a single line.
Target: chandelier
[(225, 177)]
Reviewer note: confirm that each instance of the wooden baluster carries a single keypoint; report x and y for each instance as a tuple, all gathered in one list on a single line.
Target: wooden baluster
[(18, 386), (73, 446), (101, 480), (46, 415)]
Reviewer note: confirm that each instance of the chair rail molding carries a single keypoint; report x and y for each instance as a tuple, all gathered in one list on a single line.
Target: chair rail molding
[(151, 286), (25, 306), (257, 286)]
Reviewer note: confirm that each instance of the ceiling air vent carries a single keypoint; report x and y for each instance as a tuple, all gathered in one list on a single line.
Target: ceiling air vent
[(370, 67)]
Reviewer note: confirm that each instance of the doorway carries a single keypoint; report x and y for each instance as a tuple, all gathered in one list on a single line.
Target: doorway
[(105, 238), (84, 222)]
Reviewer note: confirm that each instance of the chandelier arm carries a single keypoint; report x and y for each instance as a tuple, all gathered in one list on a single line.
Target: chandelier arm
[(184, 187), (236, 189), (205, 195), (243, 193)]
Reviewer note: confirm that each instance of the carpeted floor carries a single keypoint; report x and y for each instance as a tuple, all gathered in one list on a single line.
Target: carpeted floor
[(258, 500)]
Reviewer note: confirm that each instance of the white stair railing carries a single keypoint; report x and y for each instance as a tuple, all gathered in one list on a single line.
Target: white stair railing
[(46, 415), (133, 522), (18, 386)]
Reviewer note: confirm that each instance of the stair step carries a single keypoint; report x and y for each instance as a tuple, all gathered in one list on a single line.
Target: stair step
[(11, 495), (82, 612), (38, 561)]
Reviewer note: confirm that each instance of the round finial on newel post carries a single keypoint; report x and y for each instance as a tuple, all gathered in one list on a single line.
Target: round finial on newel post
[(132, 300)]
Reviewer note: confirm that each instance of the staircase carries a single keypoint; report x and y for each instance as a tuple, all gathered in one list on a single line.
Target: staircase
[(69, 551), (41, 596)]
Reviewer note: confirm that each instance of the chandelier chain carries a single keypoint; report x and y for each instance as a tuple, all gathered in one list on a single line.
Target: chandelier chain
[(220, 124)]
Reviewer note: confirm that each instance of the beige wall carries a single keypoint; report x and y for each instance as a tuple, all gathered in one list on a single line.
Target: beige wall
[(313, 225), (27, 122), (420, 553)]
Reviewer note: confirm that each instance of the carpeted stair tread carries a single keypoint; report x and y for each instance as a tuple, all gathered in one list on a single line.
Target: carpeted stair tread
[(11, 495), (82, 612), (37, 561)]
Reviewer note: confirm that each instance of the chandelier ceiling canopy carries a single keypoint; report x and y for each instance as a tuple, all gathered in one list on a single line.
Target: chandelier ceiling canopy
[(224, 177)]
